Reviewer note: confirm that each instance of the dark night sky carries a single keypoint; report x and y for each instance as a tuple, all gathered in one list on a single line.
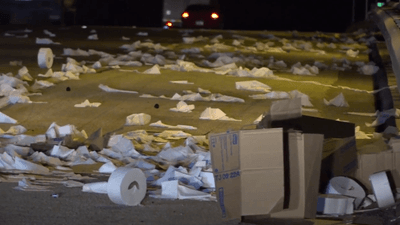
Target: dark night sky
[(303, 15)]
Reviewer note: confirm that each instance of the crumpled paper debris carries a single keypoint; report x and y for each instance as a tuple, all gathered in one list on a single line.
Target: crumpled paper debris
[(153, 70), (215, 114), (161, 124), (15, 63), (86, 103), (173, 134), (93, 37), (382, 117), (182, 106), (360, 134), (338, 101), (252, 85), (305, 100), (6, 119), (46, 41), (368, 69), (137, 119), (108, 89), (49, 33), (272, 95), (181, 82), (352, 53), (23, 74)]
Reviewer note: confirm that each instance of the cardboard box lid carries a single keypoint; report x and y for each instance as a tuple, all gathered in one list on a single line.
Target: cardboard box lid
[(315, 125)]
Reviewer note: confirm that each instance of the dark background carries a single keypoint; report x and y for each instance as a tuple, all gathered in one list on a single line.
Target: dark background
[(301, 15)]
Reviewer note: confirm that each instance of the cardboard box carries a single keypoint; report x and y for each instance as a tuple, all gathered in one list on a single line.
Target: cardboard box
[(339, 156), (264, 171), (248, 167), (305, 153), (371, 163)]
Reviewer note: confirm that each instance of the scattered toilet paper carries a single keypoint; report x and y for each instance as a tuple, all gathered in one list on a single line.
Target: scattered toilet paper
[(137, 119), (338, 101), (215, 114), (252, 85), (86, 103), (108, 89), (182, 107)]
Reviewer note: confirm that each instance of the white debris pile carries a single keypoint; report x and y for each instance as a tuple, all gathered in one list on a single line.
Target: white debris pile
[(338, 101), (298, 69)]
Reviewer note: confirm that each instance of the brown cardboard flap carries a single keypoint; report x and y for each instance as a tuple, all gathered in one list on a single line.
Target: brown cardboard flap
[(305, 152)]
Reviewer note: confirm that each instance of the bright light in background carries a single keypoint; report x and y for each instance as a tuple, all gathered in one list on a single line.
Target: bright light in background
[(214, 16), (84, 27), (169, 24), (380, 4), (185, 15)]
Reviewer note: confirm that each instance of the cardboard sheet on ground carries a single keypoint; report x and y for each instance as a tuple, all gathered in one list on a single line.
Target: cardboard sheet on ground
[(338, 101), (108, 89), (181, 106), (86, 103), (252, 85), (161, 124), (215, 114)]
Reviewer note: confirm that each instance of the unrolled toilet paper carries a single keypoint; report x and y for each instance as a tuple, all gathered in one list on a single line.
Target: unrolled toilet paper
[(127, 186), (382, 190), (348, 187), (45, 58)]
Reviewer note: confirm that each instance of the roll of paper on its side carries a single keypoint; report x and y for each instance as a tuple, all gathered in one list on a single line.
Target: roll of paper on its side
[(45, 58), (127, 186), (382, 190)]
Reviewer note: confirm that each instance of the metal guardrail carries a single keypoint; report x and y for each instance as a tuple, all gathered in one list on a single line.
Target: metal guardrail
[(388, 21)]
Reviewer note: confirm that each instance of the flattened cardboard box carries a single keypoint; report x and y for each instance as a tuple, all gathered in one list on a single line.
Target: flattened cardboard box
[(249, 171)]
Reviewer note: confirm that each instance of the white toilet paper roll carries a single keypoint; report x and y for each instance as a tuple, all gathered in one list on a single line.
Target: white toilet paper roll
[(335, 204), (348, 187), (127, 186), (381, 187), (45, 58)]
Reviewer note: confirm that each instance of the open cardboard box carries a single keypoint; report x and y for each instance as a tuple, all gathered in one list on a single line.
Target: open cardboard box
[(266, 172), (339, 156)]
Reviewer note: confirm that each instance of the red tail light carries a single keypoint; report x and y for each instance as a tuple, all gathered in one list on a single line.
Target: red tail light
[(185, 15), (169, 24), (214, 16)]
